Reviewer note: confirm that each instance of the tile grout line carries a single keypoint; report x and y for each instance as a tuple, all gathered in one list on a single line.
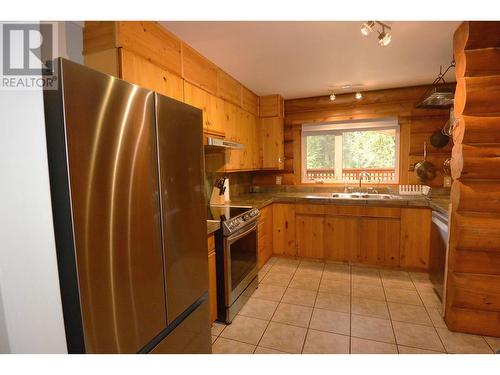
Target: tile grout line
[(350, 308), (390, 316), (272, 316), (427, 311), (312, 311)]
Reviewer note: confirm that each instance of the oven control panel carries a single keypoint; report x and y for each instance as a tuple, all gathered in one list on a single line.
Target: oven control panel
[(233, 225)]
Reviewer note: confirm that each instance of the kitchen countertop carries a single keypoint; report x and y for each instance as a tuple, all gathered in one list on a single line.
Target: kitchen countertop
[(212, 226), (260, 200)]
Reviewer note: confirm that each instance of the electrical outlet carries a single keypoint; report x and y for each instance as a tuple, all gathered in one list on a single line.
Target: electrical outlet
[(278, 180), (447, 181)]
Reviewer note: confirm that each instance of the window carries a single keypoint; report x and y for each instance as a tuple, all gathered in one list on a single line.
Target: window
[(338, 152)]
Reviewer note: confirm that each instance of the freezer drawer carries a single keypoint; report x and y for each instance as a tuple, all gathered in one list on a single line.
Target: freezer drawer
[(192, 336)]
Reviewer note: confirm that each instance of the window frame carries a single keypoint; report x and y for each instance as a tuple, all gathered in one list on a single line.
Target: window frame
[(336, 128)]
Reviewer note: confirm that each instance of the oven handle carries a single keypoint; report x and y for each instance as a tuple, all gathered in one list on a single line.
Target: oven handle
[(233, 238)]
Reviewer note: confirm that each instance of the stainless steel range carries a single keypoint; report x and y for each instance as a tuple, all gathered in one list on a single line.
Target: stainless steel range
[(236, 256)]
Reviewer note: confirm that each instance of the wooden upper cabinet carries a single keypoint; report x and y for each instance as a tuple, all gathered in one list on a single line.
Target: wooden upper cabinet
[(212, 107), (249, 101), (140, 71), (99, 36), (272, 139), (228, 88), (198, 70), (151, 40), (271, 106), (248, 128), (147, 39), (233, 133)]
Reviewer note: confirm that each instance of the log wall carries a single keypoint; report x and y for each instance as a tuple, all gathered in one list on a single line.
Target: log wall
[(473, 278)]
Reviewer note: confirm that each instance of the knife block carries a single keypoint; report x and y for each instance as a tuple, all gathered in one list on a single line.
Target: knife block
[(216, 198)]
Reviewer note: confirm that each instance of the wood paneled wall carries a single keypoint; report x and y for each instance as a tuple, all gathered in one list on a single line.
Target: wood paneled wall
[(473, 278), (417, 125)]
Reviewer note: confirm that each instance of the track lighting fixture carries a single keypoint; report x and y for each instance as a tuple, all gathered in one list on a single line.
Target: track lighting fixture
[(332, 97), (384, 35), (358, 96), (367, 27)]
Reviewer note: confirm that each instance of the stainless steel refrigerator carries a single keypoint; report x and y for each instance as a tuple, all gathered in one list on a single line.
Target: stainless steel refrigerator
[(127, 186)]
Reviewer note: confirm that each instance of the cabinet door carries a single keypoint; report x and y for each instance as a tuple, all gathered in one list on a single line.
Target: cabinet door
[(215, 114), (245, 129), (212, 285), (140, 71), (265, 235), (341, 238), (284, 229), (233, 133), (309, 236), (379, 241), (272, 143), (213, 120), (256, 142), (416, 237)]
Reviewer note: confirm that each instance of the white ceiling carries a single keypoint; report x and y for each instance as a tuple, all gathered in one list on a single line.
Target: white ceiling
[(301, 59)]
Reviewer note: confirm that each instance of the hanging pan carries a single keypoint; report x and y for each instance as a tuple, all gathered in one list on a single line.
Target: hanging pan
[(425, 170), (439, 139)]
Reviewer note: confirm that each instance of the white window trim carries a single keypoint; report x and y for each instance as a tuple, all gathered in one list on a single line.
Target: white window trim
[(337, 127)]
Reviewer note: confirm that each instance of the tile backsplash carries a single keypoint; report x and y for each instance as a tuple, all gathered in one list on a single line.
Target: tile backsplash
[(239, 183)]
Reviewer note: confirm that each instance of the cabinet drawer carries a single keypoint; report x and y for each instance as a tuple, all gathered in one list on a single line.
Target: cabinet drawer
[(309, 209), (335, 210), (394, 212), (211, 243), (362, 211)]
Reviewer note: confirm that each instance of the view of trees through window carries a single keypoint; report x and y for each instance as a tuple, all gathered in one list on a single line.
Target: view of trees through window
[(321, 151), (369, 149), (360, 149)]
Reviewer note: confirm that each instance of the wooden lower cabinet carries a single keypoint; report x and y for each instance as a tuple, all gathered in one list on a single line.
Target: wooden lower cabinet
[(284, 229), (212, 278), (265, 236), (416, 238), (359, 234), (379, 241), (341, 238), (309, 236)]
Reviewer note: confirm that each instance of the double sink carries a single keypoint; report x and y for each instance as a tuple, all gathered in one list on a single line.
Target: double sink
[(362, 196), (354, 196)]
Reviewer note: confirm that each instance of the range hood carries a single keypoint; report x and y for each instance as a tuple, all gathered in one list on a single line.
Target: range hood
[(440, 95), (219, 144)]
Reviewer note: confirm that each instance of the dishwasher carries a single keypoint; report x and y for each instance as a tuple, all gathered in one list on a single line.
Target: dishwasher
[(438, 251)]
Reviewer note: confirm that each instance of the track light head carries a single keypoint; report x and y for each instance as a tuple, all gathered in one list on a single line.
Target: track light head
[(367, 27), (332, 97), (384, 38), (358, 96)]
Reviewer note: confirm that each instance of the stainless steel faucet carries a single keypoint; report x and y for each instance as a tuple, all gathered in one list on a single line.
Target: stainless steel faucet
[(366, 175)]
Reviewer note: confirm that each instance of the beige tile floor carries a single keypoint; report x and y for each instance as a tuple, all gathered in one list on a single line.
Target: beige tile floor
[(303, 306)]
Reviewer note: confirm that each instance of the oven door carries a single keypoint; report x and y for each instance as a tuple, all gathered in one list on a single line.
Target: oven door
[(240, 261)]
